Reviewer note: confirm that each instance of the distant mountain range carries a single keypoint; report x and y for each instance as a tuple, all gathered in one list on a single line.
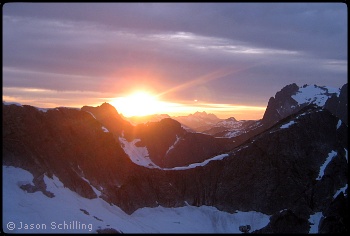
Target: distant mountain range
[(285, 173), (287, 101)]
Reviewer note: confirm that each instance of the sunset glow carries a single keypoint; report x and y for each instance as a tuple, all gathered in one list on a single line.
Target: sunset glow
[(138, 104), (143, 103)]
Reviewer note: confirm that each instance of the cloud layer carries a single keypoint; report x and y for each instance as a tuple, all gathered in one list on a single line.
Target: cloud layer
[(214, 52)]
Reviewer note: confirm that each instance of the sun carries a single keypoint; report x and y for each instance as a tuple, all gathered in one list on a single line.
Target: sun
[(139, 103)]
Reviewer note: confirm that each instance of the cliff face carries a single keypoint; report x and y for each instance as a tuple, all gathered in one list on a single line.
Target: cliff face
[(281, 105)]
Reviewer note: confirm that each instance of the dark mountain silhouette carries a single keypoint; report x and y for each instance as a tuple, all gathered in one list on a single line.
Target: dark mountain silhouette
[(289, 167), (167, 143)]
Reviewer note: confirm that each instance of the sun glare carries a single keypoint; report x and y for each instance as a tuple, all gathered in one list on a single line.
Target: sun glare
[(137, 104), (142, 103)]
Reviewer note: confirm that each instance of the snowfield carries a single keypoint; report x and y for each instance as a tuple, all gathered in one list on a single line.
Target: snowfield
[(315, 94), (68, 212)]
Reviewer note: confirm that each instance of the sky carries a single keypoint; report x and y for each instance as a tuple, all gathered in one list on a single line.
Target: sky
[(222, 58)]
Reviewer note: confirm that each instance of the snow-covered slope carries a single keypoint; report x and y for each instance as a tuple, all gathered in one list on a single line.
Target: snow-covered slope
[(25, 212), (314, 94), (138, 155)]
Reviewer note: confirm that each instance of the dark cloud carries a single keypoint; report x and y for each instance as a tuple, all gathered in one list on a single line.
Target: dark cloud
[(302, 26), (112, 47)]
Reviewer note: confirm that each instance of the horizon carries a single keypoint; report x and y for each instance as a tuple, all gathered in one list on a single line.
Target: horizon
[(181, 109), (228, 59), (179, 114)]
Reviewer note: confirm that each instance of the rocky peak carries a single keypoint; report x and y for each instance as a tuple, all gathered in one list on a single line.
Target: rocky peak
[(107, 115), (198, 113), (205, 116), (198, 119), (231, 119), (292, 98)]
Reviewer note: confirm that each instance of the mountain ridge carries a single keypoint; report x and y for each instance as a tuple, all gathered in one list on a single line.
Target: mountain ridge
[(298, 162)]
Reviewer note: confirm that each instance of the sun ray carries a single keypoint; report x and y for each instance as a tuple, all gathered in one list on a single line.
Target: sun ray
[(220, 73)]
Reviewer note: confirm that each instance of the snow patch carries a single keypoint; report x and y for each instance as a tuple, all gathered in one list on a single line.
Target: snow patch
[(341, 190), (314, 222), (105, 129), (194, 165), (172, 146), (323, 167), (346, 154), (138, 155), (290, 123), (303, 114), (43, 109), (339, 124), (188, 129), (91, 114), (232, 134)]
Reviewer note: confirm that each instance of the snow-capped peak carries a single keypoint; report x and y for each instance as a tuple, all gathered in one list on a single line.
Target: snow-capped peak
[(292, 98), (314, 94)]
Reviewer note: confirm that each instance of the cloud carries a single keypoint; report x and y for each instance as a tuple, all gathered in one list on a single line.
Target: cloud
[(113, 48), (268, 25), (46, 98)]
